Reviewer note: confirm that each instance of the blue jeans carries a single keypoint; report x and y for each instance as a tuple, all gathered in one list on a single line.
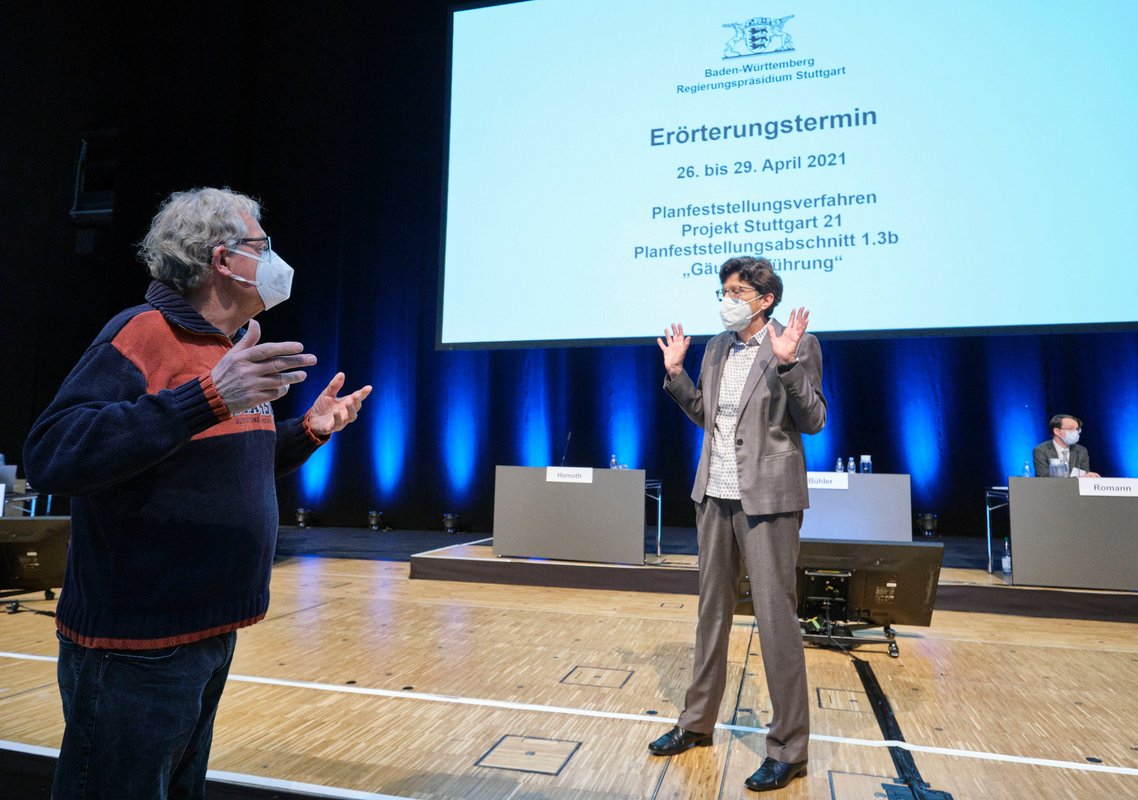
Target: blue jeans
[(139, 723)]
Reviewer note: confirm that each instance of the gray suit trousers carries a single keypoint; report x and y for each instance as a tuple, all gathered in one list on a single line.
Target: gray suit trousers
[(769, 549)]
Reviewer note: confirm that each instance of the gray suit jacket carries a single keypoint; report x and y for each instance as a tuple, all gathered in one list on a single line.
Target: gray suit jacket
[(1043, 453), (774, 411)]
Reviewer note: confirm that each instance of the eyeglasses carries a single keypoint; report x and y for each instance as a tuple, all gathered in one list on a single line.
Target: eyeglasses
[(265, 243), (736, 292)]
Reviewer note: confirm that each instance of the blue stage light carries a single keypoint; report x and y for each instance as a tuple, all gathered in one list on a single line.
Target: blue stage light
[(316, 471), (919, 439), (389, 426), (463, 418), (819, 451), (315, 474), (919, 378), (1119, 425), (460, 443), (1019, 413), (627, 408), (533, 417), (694, 448)]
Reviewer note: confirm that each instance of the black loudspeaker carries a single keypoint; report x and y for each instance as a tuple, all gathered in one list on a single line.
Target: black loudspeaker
[(93, 198), (33, 553), (96, 168)]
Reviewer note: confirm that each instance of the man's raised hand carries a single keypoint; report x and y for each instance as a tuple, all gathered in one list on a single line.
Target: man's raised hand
[(330, 412), (251, 373)]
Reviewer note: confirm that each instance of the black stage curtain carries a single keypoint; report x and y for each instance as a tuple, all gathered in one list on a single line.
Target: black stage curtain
[(333, 115)]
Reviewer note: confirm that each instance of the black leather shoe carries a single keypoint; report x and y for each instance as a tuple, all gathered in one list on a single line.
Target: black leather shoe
[(774, 775), (677, 740)]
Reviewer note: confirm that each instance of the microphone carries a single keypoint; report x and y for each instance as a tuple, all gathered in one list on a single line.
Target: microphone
[(566, 452)]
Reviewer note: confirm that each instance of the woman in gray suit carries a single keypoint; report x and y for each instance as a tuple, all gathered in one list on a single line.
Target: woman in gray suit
[(759, 390)]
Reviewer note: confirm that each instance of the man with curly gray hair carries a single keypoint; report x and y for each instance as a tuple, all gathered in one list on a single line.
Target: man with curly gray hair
[(164, 436), (178, 248)]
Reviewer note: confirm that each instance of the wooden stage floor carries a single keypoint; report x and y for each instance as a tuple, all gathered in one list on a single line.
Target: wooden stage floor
[(362, 683)]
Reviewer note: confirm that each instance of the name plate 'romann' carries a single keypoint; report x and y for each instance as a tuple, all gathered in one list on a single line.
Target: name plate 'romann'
[(1108, 487), (568, 474)]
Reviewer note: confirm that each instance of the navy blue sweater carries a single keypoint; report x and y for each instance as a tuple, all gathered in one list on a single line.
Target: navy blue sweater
[(174, 509)]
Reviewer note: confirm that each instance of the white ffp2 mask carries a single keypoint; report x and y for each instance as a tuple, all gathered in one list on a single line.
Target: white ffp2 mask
[(274, 277), (736, 314)]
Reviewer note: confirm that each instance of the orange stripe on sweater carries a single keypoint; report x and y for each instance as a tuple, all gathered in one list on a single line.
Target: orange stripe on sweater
[(107, 643), (169, 356)]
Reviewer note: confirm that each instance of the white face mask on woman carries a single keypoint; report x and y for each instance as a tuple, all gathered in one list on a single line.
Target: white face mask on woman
[(274, 277), (736, 314)]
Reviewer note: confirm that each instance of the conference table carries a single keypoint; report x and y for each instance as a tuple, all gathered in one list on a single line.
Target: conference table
[(1074, 532), (874, 507), (571, 513), (598, 515)]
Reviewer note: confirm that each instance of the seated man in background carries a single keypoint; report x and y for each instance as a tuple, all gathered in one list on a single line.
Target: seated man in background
[(1064, 446)]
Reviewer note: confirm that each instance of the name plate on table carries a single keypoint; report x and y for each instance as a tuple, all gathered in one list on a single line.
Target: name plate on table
[(828, 480), (568, 474), (1108, 487)]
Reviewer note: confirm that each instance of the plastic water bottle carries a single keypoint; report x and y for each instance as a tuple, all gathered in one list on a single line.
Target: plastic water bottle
[(612, 461), (838, 466), (1006, 561), (1027, 469), (850, 465), (867, 464)]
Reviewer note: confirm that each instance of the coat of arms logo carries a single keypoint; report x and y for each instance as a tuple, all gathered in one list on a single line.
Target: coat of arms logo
[(758, 36)]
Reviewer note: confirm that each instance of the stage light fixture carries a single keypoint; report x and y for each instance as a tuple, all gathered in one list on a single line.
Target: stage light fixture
[(376, 521), (450, 522), (926, 524), (302, 517)]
